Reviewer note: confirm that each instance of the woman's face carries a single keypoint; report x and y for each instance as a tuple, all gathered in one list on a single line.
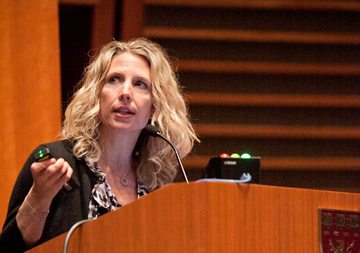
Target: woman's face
[(126, 98)]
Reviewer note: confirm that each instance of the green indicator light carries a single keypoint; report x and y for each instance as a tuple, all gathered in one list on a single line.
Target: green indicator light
[(245, 156), (41, 154), (235, 155)]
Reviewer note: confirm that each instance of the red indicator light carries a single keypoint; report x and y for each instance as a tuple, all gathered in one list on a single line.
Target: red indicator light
[(224, 155)]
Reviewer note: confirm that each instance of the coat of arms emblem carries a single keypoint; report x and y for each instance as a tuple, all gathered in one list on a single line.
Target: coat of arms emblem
[(339, 231)]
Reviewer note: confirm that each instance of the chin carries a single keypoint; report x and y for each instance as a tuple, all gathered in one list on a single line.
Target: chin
[(127, 129)]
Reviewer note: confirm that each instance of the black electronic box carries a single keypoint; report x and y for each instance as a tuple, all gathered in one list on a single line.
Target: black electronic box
[(233, 168)]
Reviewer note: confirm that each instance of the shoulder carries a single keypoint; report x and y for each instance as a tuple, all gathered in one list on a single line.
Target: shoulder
[(57, 147)]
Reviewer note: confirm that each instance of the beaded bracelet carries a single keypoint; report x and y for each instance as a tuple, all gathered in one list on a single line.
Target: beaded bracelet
[(33, 212)]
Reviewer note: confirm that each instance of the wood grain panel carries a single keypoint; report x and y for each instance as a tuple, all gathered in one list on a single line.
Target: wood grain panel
[(267, 67), (270, 131), (7, 112), (132, 20), (80, 2), (30, 84), (288, 163), (272, 4), (272, 70), (259, 36), (103, 26), (343, 101), (211, 217)]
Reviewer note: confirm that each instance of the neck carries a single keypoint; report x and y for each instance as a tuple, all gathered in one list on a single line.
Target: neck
[(117, 151)]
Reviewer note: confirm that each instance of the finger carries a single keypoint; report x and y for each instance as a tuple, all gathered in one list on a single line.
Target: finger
[(61, 173), (64, 177), (53, 169), (39, 166), (68, 173)]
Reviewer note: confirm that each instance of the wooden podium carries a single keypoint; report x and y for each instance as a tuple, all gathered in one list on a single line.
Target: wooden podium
[(210, 217)]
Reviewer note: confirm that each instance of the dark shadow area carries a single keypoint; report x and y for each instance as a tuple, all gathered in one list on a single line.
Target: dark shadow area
[(75, 44)]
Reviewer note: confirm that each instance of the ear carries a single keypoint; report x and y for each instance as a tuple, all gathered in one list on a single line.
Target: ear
[(152, 112)]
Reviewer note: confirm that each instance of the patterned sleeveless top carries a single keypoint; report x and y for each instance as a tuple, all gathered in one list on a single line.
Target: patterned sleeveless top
[(102, 199)]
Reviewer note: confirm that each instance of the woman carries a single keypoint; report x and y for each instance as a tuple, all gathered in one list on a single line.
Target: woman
[(104, 156)]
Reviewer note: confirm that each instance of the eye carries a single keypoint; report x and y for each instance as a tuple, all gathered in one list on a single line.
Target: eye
[(113, 79), (141, 84)]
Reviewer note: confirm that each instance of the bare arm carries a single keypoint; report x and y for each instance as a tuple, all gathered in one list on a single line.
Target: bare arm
[(49, 176)]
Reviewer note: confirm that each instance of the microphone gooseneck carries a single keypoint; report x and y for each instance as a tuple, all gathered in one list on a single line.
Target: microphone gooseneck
[(155, 132)]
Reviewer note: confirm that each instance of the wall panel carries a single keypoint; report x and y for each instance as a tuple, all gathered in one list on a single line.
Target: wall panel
[(30, 84), (277, 79)]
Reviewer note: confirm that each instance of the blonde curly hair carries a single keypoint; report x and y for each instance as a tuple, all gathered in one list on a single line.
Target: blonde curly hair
[(156, 163)]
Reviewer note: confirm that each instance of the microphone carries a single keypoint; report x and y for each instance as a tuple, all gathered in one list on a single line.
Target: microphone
[(155, 132)]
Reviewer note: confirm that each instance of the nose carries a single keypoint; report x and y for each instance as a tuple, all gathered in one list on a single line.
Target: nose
[(126, 92)]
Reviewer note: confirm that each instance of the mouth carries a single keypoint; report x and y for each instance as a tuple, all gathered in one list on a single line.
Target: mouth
[(124, 111)]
